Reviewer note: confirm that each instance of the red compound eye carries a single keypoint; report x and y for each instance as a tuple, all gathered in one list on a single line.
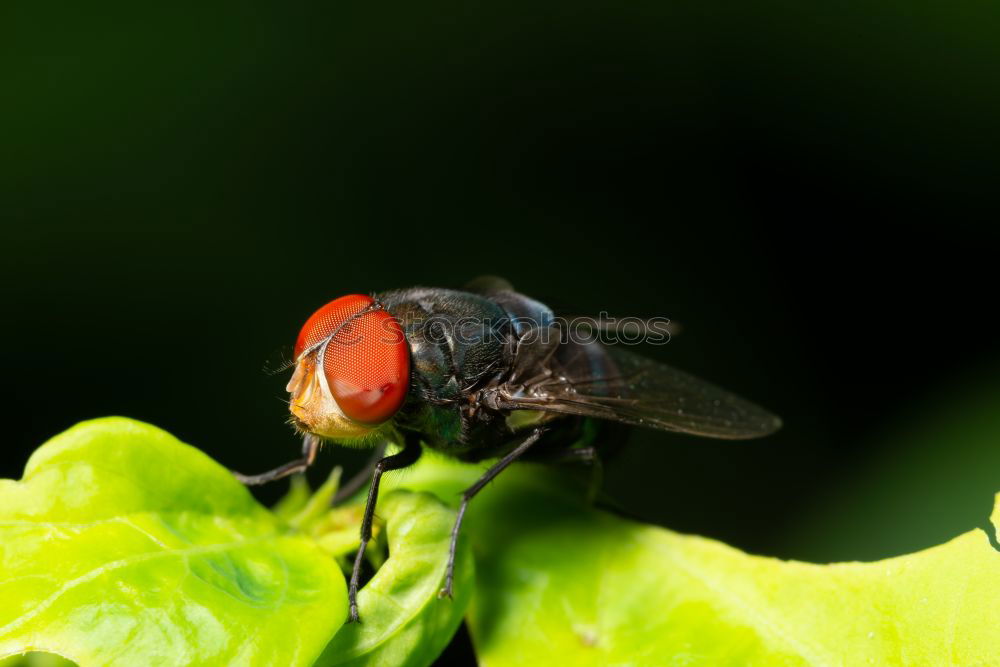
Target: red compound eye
[(366, 363)]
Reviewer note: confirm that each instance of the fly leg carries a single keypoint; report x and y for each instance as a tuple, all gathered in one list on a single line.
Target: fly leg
[(310, 445), (408, 456), (470, 492), (359, 479)]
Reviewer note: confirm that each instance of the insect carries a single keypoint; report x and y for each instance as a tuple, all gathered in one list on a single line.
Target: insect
[(481, 373)]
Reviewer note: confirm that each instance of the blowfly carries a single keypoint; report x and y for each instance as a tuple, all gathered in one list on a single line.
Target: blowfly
[(481, 373)]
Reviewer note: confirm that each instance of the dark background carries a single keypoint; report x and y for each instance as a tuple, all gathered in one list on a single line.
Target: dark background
[(811, 191)]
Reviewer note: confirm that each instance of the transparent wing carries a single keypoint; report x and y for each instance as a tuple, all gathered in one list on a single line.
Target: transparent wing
[(608, 382)]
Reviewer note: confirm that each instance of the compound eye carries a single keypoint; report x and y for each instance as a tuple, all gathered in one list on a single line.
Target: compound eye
[(367, 359)]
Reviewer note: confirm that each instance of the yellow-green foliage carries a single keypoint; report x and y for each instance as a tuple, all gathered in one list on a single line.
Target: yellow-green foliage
[(123, 545)]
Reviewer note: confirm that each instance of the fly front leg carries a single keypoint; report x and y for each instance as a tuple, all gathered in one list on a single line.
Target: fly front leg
[(310, 445), (408, 456), (469, 493)]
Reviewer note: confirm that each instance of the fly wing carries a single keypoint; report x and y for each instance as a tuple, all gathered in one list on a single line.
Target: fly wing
[(593, 380)]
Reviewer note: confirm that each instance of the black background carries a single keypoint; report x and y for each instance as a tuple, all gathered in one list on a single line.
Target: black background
[(810, 191)]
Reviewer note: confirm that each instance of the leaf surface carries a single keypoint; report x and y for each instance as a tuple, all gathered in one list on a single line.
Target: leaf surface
[(403, 622), (123, 545), (561, 583)]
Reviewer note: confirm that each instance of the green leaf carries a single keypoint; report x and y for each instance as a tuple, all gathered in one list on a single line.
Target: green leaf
[(297, 497), (123, 545), (315, 506), (561, 583), (402, 620), (36, 660)]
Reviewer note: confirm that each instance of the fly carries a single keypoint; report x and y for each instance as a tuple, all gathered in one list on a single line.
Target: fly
[(485, 372)]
